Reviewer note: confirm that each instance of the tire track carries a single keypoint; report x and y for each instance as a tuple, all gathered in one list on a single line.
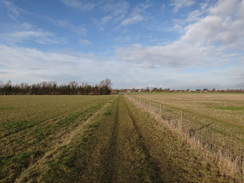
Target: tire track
[(122, 163), (111, 159), (156, 169)]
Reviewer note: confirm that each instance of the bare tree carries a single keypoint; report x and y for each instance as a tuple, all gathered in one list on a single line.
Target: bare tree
[(1, 84), (105, 87), (106, 83)]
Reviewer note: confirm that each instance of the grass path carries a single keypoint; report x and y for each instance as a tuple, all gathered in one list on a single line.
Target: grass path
[(129, 160)]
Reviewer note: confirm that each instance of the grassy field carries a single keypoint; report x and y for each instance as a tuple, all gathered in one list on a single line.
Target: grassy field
[(215, 120), (32, 126), (95, 139)]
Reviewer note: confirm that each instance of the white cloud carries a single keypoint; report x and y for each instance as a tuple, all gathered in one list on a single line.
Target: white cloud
[(210, 42), (103, 21), (13, 11), (85, 42), (66, 24), (115, 12), (24, 32), (35, 66), (194, 16), (106, 19), (202, 44), (131, 20), (178, 4), (140, 8), (40, 36), (116, 8), (79, 4), (123, 39), (237, 74), (119, 13), (224, 26), (225, 7), (135, 15), (177, 55)]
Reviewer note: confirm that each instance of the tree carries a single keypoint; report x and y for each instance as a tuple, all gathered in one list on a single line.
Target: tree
[(1, 87), (52, 88), (105, 87), (73, 88), (8, 88), (106, 83)]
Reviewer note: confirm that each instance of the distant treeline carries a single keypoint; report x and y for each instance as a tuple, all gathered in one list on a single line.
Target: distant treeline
[(168, 90), (52, 88)]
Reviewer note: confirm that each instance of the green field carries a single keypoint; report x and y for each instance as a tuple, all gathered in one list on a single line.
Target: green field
[(217, 119), (112, 139)]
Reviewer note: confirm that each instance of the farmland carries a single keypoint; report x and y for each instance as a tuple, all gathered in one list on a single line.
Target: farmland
[(216, 121), (210, 117), (116, 139), (31, 126)]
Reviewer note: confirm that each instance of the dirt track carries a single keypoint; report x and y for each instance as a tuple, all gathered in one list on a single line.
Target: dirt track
[(129, 159)]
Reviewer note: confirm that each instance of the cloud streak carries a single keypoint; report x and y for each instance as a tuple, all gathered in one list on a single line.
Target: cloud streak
[(85, 42), (13, 11), (66, 24), (136, 15), (43, 66), (178, 4), (131, 20), (79, 4), (177, 55), (27, 32)]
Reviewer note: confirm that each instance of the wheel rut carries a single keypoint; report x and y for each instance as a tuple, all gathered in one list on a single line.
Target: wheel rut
[(154, 166), (109, 175), (128, 159)]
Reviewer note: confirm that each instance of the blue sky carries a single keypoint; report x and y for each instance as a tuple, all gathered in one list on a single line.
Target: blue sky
[(176, 44)]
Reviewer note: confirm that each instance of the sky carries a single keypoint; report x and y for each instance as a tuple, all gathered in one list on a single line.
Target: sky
[(177, 44)]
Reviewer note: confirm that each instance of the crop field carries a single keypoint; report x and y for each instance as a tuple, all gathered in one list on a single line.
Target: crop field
[(31, 127), (215, 120), (117, 139)]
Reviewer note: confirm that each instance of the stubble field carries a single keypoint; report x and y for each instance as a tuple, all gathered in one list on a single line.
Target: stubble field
[(113, 138)]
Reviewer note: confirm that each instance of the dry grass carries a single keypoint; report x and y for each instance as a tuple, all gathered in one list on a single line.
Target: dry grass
[(212, 130), (182, 158)]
